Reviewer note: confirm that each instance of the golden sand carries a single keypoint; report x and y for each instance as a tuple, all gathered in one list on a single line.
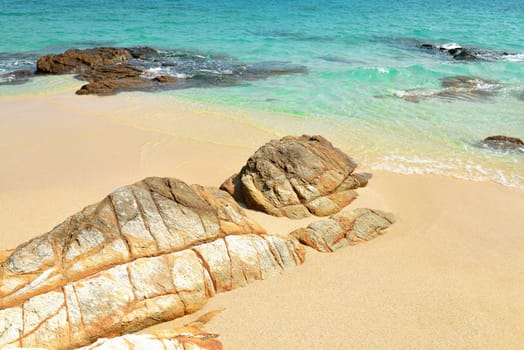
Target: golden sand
[(448, 275)]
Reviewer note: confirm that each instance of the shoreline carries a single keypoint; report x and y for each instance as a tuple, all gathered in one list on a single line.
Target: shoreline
[(376, 147), (448, 274), (84, 147)]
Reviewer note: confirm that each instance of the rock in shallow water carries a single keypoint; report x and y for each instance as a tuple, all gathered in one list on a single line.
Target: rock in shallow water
[(505, 143), (147, 253), (16, 77), (111, 70), (456, 88), (78, 61), (345, 228), (459, 53), (296, 176)]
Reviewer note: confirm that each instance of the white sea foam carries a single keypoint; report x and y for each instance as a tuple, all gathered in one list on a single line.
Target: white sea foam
[(464, 170), (517, 57), (449, 46), (158, 71)]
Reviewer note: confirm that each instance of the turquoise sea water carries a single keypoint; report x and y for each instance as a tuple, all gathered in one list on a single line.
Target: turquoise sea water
[(362, 59)]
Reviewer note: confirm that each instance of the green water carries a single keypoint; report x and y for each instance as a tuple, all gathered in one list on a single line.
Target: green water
[(362, 57)]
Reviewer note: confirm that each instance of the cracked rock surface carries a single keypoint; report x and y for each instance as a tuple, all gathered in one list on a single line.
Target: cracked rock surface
[(147, 253), (297, 177), (186, 338), (345, 228)]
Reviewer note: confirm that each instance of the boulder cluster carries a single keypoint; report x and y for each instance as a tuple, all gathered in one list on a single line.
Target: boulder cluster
[(109, 70), (159, 249)]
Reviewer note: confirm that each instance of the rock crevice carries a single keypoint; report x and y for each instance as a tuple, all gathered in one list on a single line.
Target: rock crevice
[(147, 253)]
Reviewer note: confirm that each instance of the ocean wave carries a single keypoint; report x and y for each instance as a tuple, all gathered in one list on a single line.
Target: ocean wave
[(465, 170), (517, 57)]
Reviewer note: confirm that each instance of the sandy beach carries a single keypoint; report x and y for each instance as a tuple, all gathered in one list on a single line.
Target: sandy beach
[(448, 275)]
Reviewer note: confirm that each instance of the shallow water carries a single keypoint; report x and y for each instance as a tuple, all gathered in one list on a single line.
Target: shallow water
[(364, 67)]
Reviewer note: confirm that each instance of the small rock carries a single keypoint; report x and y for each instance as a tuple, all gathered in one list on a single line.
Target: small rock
[(16, 77), (427, 46), (502, 142), (143, 52), (166, 79), (345, 228)]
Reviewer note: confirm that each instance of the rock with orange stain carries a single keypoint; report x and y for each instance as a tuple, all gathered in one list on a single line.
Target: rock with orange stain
[(147, 253), (185, 338), (344, 228)]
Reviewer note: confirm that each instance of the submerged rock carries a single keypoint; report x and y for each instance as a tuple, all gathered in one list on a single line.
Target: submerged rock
[(456, 88), (296, 176), (147, 253), (502, 142), (16, 77), (345, 228), (459, 53)]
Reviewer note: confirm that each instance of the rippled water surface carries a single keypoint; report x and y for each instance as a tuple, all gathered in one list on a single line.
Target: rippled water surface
[(367, 78)]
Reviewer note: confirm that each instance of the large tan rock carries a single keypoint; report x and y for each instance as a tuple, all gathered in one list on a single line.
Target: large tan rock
[(147, 253), (186, 338), (296, 176), (345, 228)]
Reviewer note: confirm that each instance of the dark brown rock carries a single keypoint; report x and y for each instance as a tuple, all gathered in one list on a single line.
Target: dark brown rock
[(296, 176), (107, 80), (143, 52), (78, 61), (166, 79), (111, 87), (504, 143), (110, 70), (345, 228)]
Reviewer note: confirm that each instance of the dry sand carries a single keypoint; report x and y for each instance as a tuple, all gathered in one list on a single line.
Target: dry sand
[(448, 275)]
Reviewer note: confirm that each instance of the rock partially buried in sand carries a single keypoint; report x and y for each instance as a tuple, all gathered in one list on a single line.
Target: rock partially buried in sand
[(147, 253), (502, 142), (296, 176), (345, 228)]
